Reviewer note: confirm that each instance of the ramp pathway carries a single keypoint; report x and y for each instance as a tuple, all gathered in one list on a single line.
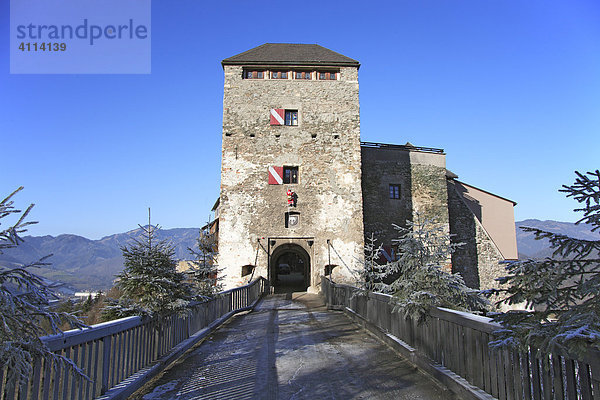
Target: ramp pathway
[(291, 347)]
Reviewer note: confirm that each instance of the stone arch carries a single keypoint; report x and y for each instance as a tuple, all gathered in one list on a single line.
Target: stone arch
[(290, 268)]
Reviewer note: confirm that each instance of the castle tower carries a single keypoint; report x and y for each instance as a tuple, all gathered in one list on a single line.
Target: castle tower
[(290, 202)]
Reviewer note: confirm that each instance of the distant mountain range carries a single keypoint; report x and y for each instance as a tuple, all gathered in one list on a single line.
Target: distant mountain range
[(85, 264), (530, 248)]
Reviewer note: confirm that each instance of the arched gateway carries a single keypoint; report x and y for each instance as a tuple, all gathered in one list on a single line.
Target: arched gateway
[(289, 268)]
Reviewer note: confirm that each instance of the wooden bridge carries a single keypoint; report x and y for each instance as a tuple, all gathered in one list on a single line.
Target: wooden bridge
[(280, 347), (292, 347)]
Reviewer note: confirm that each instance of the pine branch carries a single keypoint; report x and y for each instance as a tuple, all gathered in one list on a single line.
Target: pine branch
[(586, 189), (24, 306), (562, 294)]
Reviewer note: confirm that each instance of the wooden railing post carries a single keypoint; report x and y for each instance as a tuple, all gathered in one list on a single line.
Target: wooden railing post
[(106, 343)]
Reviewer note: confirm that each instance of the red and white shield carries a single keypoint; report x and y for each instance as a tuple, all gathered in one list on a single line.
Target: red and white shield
[(277, 116), (275, 175)]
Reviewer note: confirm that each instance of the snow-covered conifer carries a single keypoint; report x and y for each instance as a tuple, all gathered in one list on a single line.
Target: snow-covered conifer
[(562, 292), (24, 307), (150, 282), (417, 277), (372, 273), (205, 272)]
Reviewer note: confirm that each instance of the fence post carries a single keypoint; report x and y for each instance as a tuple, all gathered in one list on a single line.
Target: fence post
[(106, 342)]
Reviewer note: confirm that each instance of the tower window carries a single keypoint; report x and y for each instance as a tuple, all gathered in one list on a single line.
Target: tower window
[(303, 75), (290, 174), (394, 191), (327, 76), (279, 74), (291, 117), (253, 74), (279, 116)]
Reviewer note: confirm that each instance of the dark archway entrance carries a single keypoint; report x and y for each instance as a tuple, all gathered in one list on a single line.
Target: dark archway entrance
[(289, 269)]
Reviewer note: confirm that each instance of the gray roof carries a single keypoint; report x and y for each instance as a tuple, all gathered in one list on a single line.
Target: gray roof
[(291, 54)]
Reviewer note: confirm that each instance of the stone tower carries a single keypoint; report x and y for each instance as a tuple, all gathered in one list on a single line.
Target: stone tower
[(291, 201)]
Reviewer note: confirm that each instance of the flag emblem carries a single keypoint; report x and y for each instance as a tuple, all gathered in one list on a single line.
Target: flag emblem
[(277, 116), (275, 175)]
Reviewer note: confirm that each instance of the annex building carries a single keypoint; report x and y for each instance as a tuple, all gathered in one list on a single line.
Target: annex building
[(299, 190)]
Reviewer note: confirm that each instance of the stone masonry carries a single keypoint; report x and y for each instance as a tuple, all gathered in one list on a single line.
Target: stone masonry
[(345, 189), (325, 146), (421, 175), (478, 259)]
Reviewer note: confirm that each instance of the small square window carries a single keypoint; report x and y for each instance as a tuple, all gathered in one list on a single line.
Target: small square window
[(327, 76), (303, 75), (290, 174), (291, 117), (279, 116), (394, 191), (278, 74), (248, 74)]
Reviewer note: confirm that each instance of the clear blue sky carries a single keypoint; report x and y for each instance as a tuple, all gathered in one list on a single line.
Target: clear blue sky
[(509, 89)]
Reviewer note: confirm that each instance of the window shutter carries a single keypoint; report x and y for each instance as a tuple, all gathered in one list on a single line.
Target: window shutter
[(275, 175), (277, 116)]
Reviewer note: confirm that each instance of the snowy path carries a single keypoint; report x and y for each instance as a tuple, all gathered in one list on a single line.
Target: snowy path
[(291, 349)]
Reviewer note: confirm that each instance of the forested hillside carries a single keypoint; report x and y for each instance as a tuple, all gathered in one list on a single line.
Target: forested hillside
[(531, 248), (85, 264)]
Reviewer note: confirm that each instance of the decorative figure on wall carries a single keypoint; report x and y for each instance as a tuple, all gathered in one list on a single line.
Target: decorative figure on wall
[(292, 198)]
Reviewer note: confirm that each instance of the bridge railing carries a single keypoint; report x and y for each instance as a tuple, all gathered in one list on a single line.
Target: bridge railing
[(458, 341), (113, 351)]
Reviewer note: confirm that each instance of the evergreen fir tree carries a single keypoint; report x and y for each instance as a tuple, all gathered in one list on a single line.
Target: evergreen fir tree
[(205, 270), (87, 304), (372, 274), (25, 308), (562, 292), (417, 278), (150, 282)]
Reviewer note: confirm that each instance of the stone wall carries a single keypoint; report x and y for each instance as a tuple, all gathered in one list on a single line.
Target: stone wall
[(380, 168), (326, 148), (477, 260), (422, 179), (463, 228)]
